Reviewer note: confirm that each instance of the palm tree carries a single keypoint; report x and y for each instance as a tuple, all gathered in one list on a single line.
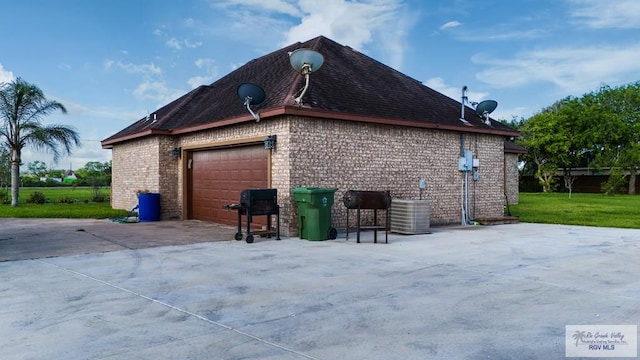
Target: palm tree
[(22, 107)]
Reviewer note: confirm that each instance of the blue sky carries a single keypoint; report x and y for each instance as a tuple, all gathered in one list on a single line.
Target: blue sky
[(112, 62)]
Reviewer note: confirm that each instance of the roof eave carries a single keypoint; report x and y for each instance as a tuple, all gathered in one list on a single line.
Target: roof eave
[(314, 113), (302, 111), (516, 151), (108, 143)]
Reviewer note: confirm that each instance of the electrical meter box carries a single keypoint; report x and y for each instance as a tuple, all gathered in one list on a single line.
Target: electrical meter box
[(465, 163)]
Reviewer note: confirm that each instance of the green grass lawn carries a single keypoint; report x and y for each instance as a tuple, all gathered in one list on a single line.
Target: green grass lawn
[(55, 194), (76, 204), (621, 211)]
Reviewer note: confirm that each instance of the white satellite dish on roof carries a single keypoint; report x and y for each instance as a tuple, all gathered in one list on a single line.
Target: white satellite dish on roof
[(251, 94), (305, 61)]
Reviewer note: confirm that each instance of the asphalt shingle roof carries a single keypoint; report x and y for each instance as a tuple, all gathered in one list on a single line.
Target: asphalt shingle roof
[(511, 147), (348, 84)]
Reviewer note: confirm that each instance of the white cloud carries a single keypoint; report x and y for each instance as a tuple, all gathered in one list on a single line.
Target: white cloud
[(180, 44), (192, 45), (450, 24), (278, 6), (94, 123), (173, 43), (607, 14), (84, 112), (357, 24), (147, 69), (196, 81), (210, 69), (5, 75), (156, 91), (574, 70), (511, 35), (352, 23), (205, 63), (500, 33), (454, 92), (510, 114)]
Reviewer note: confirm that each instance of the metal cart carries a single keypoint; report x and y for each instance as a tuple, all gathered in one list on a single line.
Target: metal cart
[(257, 202)]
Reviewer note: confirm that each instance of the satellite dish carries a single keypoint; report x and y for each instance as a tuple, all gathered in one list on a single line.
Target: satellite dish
[(486, 107), (251, 94), (305, 61), (301, 57)]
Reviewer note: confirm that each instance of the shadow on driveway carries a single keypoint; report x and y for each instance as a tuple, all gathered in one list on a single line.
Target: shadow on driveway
[(22, 239)]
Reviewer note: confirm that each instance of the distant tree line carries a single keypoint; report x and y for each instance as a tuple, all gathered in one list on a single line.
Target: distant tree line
[(599, 130), (93, 173)]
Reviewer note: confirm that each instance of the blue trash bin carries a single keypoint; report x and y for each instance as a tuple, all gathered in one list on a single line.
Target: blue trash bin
[(149, 207)]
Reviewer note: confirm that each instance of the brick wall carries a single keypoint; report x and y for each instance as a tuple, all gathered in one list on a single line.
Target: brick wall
[(327, 153), (135, 167), (512, 179), (168, 181), (356, 156), (145, 165)]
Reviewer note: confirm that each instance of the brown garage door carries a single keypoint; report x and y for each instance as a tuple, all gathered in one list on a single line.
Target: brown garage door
[(216, 178)]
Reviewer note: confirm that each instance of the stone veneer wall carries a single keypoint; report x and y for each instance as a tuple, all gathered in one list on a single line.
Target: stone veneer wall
[(357, 156), (169, 169), (145, 165), (327, 153), (512, 179), (135, 168)]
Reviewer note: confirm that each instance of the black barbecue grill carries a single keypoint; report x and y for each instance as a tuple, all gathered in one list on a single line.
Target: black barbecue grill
[(368, 200), (257, 202)]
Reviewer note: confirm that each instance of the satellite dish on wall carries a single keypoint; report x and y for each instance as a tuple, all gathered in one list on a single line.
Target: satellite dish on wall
[(251, 94), (305, 61), (486, 107)]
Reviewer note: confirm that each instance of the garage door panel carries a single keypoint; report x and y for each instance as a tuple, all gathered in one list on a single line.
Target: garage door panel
[(218, 176)]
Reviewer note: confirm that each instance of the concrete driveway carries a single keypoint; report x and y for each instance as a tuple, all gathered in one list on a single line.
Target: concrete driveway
[(37, 238), (497, 292)]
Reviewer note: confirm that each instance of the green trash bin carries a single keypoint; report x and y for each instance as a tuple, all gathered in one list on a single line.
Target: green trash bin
[(314, 212)]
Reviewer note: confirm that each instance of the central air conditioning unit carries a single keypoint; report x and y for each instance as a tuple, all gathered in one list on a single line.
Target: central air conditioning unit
[(410, 217)]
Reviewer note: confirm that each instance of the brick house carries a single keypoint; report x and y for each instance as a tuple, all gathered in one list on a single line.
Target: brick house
[(361, 125)]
